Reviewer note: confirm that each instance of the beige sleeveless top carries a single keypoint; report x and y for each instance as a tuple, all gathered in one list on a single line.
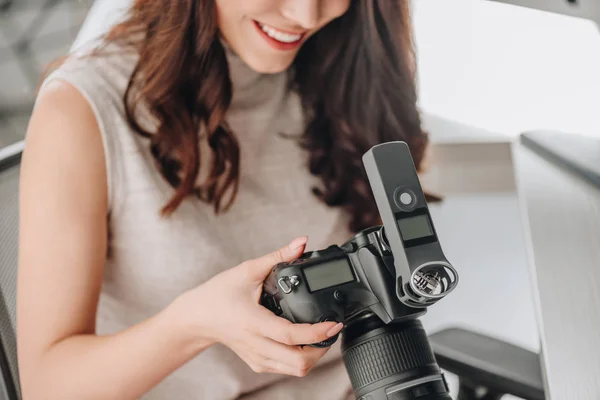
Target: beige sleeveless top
[(152, 260)]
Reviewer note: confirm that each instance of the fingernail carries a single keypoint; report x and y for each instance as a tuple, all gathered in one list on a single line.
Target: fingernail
[(338, 327), (298, 242)]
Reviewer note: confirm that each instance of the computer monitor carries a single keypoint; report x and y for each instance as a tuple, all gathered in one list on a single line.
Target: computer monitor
[(588, 9)]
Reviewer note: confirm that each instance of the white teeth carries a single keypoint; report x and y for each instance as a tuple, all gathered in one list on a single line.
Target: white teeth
[(278, 35)]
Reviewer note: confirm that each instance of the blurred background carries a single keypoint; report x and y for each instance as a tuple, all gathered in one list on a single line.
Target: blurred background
[(32, 34), (489, 70)]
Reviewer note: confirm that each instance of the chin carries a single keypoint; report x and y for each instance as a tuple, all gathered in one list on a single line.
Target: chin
[(269, 66)]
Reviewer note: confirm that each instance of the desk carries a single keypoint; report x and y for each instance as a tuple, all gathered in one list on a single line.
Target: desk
[(561, 214)]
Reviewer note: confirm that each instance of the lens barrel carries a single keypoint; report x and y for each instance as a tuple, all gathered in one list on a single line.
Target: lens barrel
[(391, 362)]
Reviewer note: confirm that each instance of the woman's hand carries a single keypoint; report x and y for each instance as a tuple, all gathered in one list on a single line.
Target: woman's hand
[(226, 309)]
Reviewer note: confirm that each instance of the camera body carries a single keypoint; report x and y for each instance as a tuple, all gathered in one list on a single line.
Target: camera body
[(393, 271), (337, 284)]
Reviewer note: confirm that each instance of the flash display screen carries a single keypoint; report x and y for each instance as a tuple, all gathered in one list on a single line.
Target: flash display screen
[(415, 227), (329, 274)]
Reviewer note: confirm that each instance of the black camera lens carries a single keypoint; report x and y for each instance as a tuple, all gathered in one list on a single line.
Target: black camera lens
[(392, 362)]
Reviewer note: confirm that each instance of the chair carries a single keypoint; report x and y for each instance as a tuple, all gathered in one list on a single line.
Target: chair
[(9, 216), (488, 368)]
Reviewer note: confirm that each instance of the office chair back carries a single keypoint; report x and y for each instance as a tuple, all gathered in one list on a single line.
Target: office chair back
[(9, 228)]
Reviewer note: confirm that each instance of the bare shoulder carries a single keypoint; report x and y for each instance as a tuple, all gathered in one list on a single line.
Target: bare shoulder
[(63, 145), (63, 161), (60, 103)]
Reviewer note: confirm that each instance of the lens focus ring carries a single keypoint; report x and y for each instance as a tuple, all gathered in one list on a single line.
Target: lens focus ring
[(387, 354)]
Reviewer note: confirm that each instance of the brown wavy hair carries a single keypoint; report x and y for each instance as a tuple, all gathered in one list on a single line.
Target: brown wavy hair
[(356, 79)]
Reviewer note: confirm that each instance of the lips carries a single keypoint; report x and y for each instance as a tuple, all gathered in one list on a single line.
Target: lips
[(278, 39)]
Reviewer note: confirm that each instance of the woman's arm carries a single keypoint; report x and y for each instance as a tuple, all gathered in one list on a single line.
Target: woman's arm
[(63, 232)]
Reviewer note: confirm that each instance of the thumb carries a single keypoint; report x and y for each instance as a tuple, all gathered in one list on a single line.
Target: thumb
[(261, 267)]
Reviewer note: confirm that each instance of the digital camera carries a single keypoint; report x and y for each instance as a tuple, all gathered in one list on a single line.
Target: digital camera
[(377, 283)]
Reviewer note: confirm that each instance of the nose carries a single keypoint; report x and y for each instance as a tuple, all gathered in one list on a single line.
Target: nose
[(306, 13)]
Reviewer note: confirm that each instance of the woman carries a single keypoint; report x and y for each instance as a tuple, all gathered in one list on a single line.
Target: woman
[(160, 170)]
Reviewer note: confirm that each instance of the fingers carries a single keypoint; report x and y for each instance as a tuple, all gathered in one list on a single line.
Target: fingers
[(261, 267), (286, 332)]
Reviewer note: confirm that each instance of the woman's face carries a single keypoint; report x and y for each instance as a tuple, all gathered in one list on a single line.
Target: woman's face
[(267, 34)]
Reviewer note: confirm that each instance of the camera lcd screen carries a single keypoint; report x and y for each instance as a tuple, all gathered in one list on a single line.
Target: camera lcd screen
[(415, 227), (329, 274)]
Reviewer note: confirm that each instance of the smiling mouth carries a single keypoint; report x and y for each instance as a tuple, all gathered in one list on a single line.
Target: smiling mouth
[(285, 38)]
